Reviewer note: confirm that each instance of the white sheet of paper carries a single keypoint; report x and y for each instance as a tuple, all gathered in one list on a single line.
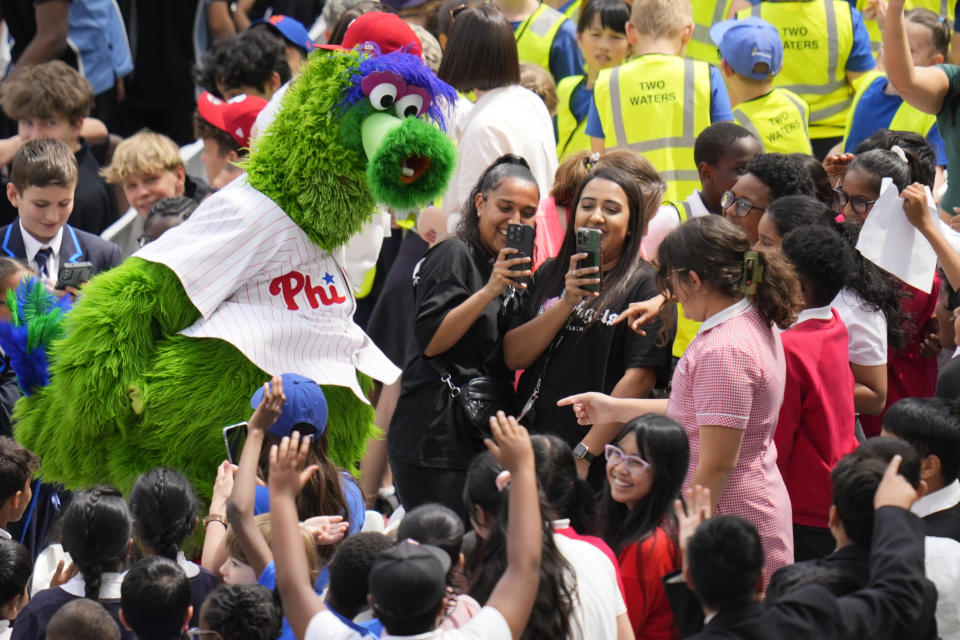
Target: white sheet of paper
[(888, 240)]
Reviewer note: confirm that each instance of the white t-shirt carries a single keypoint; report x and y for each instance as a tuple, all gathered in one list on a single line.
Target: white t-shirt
[(665, 220), (598, 600), (867, 329), (505, 120), (942, 564), (489, 624)]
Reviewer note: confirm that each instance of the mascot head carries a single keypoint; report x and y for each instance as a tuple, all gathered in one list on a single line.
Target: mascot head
[(356, 128)]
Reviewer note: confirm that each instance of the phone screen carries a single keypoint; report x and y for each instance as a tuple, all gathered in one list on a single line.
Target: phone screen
[(233, 437)]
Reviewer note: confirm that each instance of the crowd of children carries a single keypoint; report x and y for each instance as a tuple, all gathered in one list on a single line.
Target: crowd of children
[(734, 415)]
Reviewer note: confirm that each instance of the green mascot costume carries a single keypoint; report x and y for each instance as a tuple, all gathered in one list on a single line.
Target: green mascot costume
[(164, 351)]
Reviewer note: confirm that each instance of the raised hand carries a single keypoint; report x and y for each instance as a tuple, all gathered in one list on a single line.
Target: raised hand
[(270, 406), (511, 444)]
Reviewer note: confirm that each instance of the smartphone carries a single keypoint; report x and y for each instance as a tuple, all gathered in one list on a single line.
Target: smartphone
[(520, 237), (588, 242), (233, 437), (74, 274)]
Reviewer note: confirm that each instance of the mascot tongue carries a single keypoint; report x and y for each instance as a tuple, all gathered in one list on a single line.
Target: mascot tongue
[(409, 160)]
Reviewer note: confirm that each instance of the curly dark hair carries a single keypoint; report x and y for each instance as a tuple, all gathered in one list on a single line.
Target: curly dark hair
[(246, 60), (784, 175), (242, 612), (821, 256), (877, 289)]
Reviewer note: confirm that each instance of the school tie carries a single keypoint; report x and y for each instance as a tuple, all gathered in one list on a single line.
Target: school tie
[(43, 255)]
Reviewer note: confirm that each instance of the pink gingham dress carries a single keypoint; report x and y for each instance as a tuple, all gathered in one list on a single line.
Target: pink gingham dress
[(732, 375)]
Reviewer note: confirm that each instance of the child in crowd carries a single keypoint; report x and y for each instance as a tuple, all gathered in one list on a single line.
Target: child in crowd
[(164, 215), (43, 180), (602, 36), (878, 105), (721, 154), (540, 82), (96, 532), (225, 129), (241, 612), (570, 602), (826, 48), (645, 469), (441, 527), (932, 427), (15, 569), (350, 577), (816, 424), (752, 55), (768, 176), (545, 37), (82, 620), (164, 510), (910, 372), (51, 100), (253, 63), (155, 599), (408, 582), (17, 466), (642, 105), (148, 167)]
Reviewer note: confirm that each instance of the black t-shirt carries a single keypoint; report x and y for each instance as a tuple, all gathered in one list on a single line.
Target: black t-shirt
[(588, 357), (422, 432)]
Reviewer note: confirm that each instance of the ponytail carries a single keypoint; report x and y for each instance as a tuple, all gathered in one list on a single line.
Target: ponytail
[(720, 254)]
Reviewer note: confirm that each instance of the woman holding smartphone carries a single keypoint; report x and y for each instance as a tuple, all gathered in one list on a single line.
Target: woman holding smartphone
[(728, 386), (459, 287), (564, 334)]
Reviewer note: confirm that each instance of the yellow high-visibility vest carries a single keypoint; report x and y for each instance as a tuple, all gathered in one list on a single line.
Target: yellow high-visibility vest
[(706, 13), (906, 117), (535, 35), (943, 8), (779, 119), (817, 41), (657, 105), (572, 135)]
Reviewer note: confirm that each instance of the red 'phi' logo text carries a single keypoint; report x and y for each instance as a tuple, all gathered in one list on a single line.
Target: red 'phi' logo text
[(290, 284)]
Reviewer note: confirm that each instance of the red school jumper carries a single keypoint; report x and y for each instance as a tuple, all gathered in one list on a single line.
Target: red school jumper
[(816, 424)]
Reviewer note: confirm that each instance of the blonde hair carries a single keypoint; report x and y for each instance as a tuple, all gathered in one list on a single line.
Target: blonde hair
[(661, 18), (263, 524), (142, 154)]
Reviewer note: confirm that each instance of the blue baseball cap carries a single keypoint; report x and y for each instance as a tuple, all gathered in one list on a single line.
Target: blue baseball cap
[(291, 29), (748, 42), (305, 404)]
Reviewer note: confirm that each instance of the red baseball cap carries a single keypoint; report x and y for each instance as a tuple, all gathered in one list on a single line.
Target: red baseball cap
[(235, 116), (386, 30)]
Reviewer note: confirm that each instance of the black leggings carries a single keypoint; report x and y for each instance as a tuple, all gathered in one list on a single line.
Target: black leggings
[(420, 485)]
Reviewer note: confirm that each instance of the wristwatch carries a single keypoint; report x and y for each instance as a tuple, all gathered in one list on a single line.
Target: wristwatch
[(580, 451)]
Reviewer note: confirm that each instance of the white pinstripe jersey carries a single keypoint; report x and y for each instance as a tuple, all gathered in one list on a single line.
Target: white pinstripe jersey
[(264, 287)]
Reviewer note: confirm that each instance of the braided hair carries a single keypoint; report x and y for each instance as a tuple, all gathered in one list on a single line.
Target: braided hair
[(96, 533), (164, 509)]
